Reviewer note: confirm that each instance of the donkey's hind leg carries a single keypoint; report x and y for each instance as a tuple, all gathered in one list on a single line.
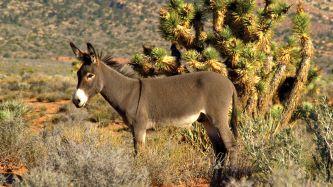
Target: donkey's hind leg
[(219, 149), (226, 143), (216, 140), (228, 138)]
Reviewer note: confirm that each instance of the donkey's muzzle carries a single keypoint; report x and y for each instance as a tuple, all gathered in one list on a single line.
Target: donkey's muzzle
[(80, 98)]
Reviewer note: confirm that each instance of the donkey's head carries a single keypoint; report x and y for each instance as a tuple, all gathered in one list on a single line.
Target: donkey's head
[(90, 77)]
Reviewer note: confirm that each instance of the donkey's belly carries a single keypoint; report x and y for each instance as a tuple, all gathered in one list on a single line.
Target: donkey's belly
[(184, 121)]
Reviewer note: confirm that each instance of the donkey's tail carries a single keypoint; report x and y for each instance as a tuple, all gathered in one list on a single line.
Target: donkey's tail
[(234, 119)]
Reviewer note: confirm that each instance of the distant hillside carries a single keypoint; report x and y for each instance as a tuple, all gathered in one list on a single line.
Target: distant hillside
[(37, 29), (43, 28)]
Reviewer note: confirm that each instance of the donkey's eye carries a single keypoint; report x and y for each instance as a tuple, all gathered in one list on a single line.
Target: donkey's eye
[(90, 75)]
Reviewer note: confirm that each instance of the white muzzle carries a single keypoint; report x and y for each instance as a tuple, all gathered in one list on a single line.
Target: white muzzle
[(80, 98)]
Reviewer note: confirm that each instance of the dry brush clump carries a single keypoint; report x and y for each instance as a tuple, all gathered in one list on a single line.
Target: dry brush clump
[(15, 139), (50, 88), (322, 126), (268, 152), (300, 155), (77, 155)]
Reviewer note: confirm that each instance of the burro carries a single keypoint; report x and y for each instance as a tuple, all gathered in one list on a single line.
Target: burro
[(144, 103)]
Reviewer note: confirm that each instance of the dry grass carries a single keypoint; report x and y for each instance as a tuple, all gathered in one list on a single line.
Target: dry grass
[(169, 160), (80, 157)]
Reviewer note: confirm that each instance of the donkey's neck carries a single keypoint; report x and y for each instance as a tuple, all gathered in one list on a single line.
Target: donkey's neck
[(120, 91)]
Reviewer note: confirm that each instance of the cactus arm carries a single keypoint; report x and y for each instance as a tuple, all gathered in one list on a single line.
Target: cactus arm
[(302, 77)]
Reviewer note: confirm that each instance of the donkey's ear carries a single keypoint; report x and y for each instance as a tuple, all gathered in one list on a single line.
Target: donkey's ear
[(92, 53), (91, 49), (78, 53)]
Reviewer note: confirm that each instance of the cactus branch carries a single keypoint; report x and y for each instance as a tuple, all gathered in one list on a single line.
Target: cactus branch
[(302, 77)]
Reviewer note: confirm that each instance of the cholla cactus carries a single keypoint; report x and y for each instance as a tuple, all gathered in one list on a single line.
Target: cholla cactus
[(236, 39)]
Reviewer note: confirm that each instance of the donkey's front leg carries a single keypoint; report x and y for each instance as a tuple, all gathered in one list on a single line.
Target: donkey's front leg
[(139, 137)]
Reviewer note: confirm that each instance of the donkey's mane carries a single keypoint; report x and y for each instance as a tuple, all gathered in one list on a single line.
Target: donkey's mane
[(124, 69)]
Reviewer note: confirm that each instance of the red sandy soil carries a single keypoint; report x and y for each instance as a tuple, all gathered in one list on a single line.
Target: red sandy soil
[(65, 59), (9, 170), (7, 167), (48, 109)]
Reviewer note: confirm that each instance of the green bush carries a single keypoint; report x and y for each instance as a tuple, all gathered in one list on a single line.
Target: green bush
[(11, 110), (17, 141)]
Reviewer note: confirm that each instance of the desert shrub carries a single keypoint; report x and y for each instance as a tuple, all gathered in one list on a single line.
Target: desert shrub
[(10, 132), (46, 177), (11, 110), (17, 144), (292, 177), (76, 156), (11, 127), (290, 157), (322, 127), (69, 114), (6, 55), (269, 151), (38, 86), (11, 88), (60, 118), (17, 85)]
